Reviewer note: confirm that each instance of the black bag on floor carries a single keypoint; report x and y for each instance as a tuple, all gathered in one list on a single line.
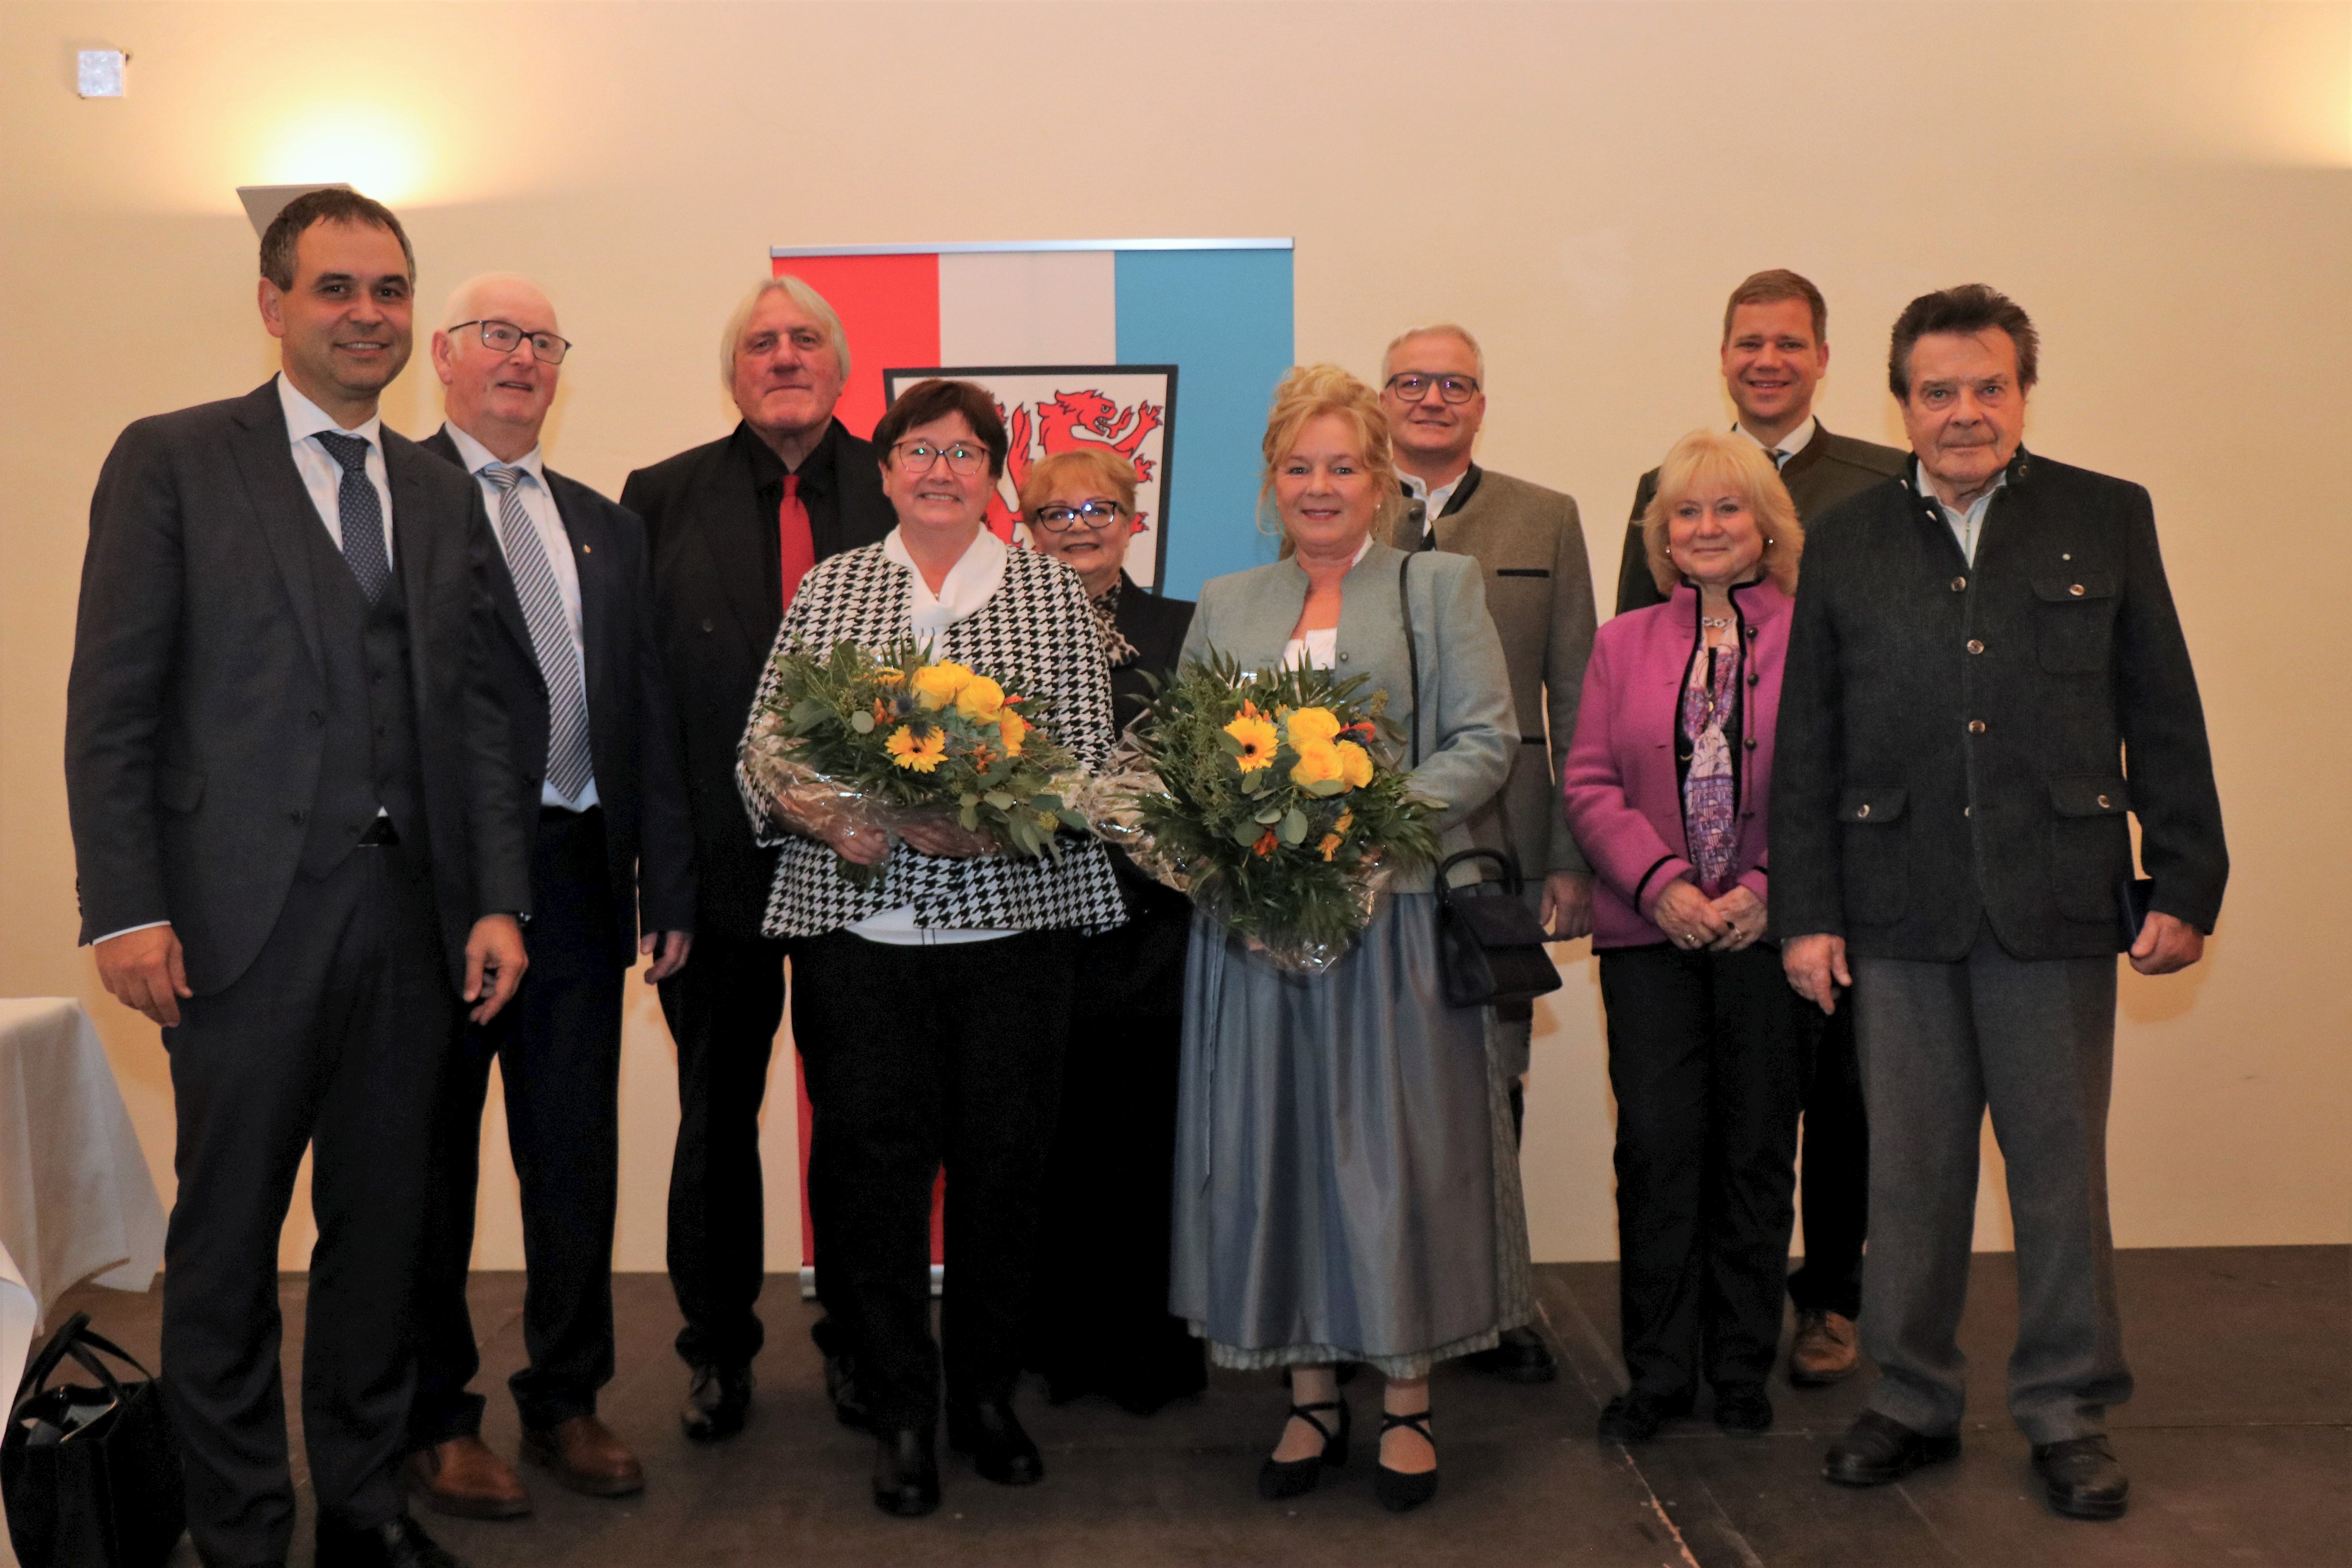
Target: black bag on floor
[(1490, 945), (91, 1474)]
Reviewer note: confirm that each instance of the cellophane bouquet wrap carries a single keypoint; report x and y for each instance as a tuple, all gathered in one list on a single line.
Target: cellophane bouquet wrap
[(866, 741), (1274, 798)]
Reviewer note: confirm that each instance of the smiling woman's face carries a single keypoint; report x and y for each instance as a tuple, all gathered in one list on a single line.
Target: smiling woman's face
[(1324, 491), (1713, 536), (936, 499)]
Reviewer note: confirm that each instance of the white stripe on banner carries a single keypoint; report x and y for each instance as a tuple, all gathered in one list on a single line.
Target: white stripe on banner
[(1029, 307)]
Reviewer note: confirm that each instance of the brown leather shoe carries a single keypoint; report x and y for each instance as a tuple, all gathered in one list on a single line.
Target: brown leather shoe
[(1827, 1348), (463, 1478), (585, 1457)]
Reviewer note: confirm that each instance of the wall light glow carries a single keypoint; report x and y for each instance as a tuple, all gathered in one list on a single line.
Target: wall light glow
[(380, 151)]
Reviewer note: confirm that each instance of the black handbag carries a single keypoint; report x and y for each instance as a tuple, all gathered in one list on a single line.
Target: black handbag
[(91, 1474), (1490, 947)]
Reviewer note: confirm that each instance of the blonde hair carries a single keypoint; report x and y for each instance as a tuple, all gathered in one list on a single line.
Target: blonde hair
[(810, 302), (1434, 329), (1100, 468), (1308, 392), (1718, 456)]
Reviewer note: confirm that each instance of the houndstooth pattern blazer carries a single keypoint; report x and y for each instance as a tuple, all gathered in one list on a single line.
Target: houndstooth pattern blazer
[(1035, 634)]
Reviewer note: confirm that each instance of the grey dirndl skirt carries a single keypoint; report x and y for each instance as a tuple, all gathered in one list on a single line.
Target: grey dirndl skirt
[(1346, 1183)]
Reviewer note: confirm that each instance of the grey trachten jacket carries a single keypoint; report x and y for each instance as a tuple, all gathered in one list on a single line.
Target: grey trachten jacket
[(1960, 742), (1530, 545), (1467, 738)]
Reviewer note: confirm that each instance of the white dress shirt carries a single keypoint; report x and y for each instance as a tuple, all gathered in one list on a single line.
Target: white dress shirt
[(321, 474), (1966, 525), (1433, 501), (1796, 441), (539, 505), (1319, 647), (972, 582)]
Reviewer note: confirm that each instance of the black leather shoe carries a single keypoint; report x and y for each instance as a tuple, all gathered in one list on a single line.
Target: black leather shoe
[(398, 1542), (1402, 1491), (841, 1376), (1001, 1451), (1743, 1411), (1636, 1417), (718, 1403), (906, 1473), (1877, 1450), (1521, 1356), (1280, 1479), (2082, 1477)]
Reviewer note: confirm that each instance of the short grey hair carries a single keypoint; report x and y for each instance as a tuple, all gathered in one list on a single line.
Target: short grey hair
[(802, 295), (464, 300), (1434, 329)]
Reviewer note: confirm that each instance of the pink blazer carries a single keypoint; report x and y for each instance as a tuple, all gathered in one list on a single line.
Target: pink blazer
[(1623, 791)]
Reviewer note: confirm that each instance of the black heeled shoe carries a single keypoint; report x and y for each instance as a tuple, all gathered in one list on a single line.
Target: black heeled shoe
[(1279, 1479), (1399, 1491)]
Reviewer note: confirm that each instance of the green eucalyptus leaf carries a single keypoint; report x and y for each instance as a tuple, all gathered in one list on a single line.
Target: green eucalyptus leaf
[(862, 722), (1293, 829)]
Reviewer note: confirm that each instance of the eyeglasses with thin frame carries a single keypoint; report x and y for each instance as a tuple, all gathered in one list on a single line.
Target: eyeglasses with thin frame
[(1413, 386), (502, 336), (1091, 515), (917, 456)]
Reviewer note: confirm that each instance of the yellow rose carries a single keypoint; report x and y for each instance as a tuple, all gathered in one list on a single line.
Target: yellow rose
[(1012, 729), (1355, 764), (1257, 737), (979, 699), (1316, 765), (1311, 727), (936, 686), (922, 755)]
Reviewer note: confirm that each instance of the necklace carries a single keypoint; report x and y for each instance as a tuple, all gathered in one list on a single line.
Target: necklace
[(1719, 622)]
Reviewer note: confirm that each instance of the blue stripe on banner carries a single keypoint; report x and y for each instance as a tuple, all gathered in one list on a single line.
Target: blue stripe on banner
[(1223, 319)]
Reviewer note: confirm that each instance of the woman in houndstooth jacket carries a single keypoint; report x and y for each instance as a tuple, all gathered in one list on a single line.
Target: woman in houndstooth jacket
[(931, 1006)]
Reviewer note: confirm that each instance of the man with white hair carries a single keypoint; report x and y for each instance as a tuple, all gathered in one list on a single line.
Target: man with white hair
[(600, 767), (734, 525), (1539, 591)]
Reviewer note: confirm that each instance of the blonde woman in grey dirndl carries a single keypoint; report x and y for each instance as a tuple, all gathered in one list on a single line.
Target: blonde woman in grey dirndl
[(1345, 1185)]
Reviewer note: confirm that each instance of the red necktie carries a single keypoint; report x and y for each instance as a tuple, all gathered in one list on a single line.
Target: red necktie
[(795, 549)]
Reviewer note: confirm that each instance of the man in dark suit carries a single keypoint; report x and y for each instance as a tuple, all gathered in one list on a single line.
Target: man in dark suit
[(598, 762), (733, 526), (1530, 542), (1985, 674), (298, 847), (1776, 349)]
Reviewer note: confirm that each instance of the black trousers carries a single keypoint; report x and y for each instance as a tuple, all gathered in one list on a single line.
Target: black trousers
[(919, 1057), (724, 1009), (332, 1040), (1836, 1196), (1706, 1056), (1099, 1322), (558, 1047)]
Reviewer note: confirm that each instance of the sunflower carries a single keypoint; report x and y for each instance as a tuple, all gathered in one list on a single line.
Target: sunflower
[(922, 754), (1257, 739)]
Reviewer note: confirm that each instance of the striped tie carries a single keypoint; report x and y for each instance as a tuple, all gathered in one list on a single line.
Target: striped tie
[(360, 512), (570, 767)]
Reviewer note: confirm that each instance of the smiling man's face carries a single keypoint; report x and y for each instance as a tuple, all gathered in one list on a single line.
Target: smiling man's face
[(345, 327), (499, 398), (1772, 360)]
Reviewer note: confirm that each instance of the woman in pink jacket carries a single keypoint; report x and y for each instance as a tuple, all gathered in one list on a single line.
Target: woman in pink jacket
[(1668, 787)]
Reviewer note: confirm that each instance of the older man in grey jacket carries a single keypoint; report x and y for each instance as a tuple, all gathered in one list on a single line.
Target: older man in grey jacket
[(1985, 675), (1530, 544)]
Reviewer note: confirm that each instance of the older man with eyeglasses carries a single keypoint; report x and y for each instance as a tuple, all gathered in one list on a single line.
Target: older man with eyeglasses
[(1531, 543), (599, 769)]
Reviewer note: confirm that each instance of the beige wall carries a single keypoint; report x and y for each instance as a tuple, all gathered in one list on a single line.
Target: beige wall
[(2168, 188)]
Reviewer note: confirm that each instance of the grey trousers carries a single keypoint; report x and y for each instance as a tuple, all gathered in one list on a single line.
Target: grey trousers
[(2034, 1042)]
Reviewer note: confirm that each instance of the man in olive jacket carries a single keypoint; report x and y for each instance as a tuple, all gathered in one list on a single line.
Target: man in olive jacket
[(1985, 674), (1530, 545)]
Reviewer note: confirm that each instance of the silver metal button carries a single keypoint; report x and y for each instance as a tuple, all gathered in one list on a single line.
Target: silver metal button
[(1976, 726), (2077, 591), (1975, 647), (1959, 585), (2103, 803), (1861, 812)]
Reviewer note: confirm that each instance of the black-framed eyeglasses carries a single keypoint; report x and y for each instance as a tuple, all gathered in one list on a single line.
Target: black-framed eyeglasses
[(1413, 386), (916, 456), (1092, 515), (502, 336)]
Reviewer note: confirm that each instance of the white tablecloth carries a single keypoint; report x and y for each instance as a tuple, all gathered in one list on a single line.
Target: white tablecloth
[(76, 1200)]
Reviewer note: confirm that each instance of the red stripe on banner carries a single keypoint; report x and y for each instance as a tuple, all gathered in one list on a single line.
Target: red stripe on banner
[(888, 306)]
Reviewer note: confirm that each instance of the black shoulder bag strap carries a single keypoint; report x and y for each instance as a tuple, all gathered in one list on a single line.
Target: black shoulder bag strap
[(1412, 647)]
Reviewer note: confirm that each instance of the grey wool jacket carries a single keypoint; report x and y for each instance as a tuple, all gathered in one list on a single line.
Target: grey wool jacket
[(1529, 543), (1464, 714), (1959, 742)]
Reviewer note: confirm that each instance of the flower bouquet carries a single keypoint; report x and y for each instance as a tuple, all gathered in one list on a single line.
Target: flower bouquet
[(869, 742), (1273, 797)]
